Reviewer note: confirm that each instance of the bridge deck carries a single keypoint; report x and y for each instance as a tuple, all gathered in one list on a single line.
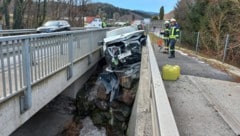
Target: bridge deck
[(47, 56), (42, 66)]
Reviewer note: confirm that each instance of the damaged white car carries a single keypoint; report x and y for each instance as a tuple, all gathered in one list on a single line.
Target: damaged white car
[(123, 46)]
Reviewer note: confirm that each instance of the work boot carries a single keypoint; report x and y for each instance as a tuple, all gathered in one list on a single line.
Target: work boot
[(172, 55)]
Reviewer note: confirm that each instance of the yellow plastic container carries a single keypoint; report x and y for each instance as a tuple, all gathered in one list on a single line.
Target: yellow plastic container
[(178, 69), (170, 72)]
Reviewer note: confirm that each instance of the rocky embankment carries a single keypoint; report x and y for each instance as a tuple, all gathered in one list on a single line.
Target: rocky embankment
[(108, 99)]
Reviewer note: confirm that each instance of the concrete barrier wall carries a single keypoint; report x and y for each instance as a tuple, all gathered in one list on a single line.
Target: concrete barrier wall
[(140, 122), (151, 113), (43, 93)]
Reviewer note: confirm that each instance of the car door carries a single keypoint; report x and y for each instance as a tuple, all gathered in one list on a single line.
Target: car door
[(61, 26)]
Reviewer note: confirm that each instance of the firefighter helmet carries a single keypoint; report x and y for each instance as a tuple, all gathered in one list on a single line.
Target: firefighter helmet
[(166, 22), (173, 20)]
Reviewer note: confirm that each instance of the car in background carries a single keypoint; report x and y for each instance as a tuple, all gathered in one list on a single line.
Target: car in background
[(54, 26)]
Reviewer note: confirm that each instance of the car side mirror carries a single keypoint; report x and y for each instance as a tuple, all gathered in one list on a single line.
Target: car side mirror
[(100, 43)]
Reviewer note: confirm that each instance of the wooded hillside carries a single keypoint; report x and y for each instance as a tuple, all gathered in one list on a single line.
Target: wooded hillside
[(214, 19), (17, 14)]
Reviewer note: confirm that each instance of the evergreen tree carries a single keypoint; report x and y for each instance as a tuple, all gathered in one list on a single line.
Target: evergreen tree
[(155, 18), (197, 15), (161, 13)]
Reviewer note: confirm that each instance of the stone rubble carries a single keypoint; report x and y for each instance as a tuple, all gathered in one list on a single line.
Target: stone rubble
[(109, 101)]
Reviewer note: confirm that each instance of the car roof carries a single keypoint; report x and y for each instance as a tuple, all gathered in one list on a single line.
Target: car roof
[(56, 21)]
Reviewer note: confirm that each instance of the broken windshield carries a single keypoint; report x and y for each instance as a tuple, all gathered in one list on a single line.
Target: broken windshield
[(121, 31)]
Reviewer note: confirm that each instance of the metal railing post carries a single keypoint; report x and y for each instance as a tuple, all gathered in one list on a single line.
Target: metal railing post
[(197, 44), (70, 58), (26, 98), (61, 46), (91, 48), (3, 70), (225, 47)]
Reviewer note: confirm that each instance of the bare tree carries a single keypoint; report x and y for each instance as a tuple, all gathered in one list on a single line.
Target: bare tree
[(5, 12)]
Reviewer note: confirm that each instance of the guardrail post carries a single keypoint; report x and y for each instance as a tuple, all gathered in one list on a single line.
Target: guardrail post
[(70, 58), (197, 44), (225, 47), (180, 37), (26, 98)]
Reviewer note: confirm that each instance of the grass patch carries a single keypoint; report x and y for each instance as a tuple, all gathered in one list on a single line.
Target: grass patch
[(154, 39)]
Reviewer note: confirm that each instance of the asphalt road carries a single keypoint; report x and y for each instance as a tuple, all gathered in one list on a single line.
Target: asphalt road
[(195, 114), (191, 65)]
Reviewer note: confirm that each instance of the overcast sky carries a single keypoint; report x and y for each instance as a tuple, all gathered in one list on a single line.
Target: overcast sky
[(145, 5)]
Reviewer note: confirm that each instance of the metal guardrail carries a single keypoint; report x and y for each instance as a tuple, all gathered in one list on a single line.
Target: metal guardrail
[(32, 31), (17, 31), (162, 116), (28, 59)]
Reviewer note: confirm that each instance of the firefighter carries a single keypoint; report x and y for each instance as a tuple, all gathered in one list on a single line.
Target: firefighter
[(104, 24), (166, 35), (173, 37)]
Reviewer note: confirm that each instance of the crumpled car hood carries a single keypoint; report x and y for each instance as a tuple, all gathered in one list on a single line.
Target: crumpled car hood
[(122, 37), (123, 46)]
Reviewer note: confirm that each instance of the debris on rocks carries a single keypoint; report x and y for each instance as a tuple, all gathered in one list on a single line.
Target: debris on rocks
[(110, 100), (90, 130)]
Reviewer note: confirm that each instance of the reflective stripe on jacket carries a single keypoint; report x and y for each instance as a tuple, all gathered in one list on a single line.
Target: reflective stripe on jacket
[(174, 33)]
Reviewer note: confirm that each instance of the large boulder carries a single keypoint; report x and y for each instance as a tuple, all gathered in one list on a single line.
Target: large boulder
[(100, 117), (127, 96), (84, 106)]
